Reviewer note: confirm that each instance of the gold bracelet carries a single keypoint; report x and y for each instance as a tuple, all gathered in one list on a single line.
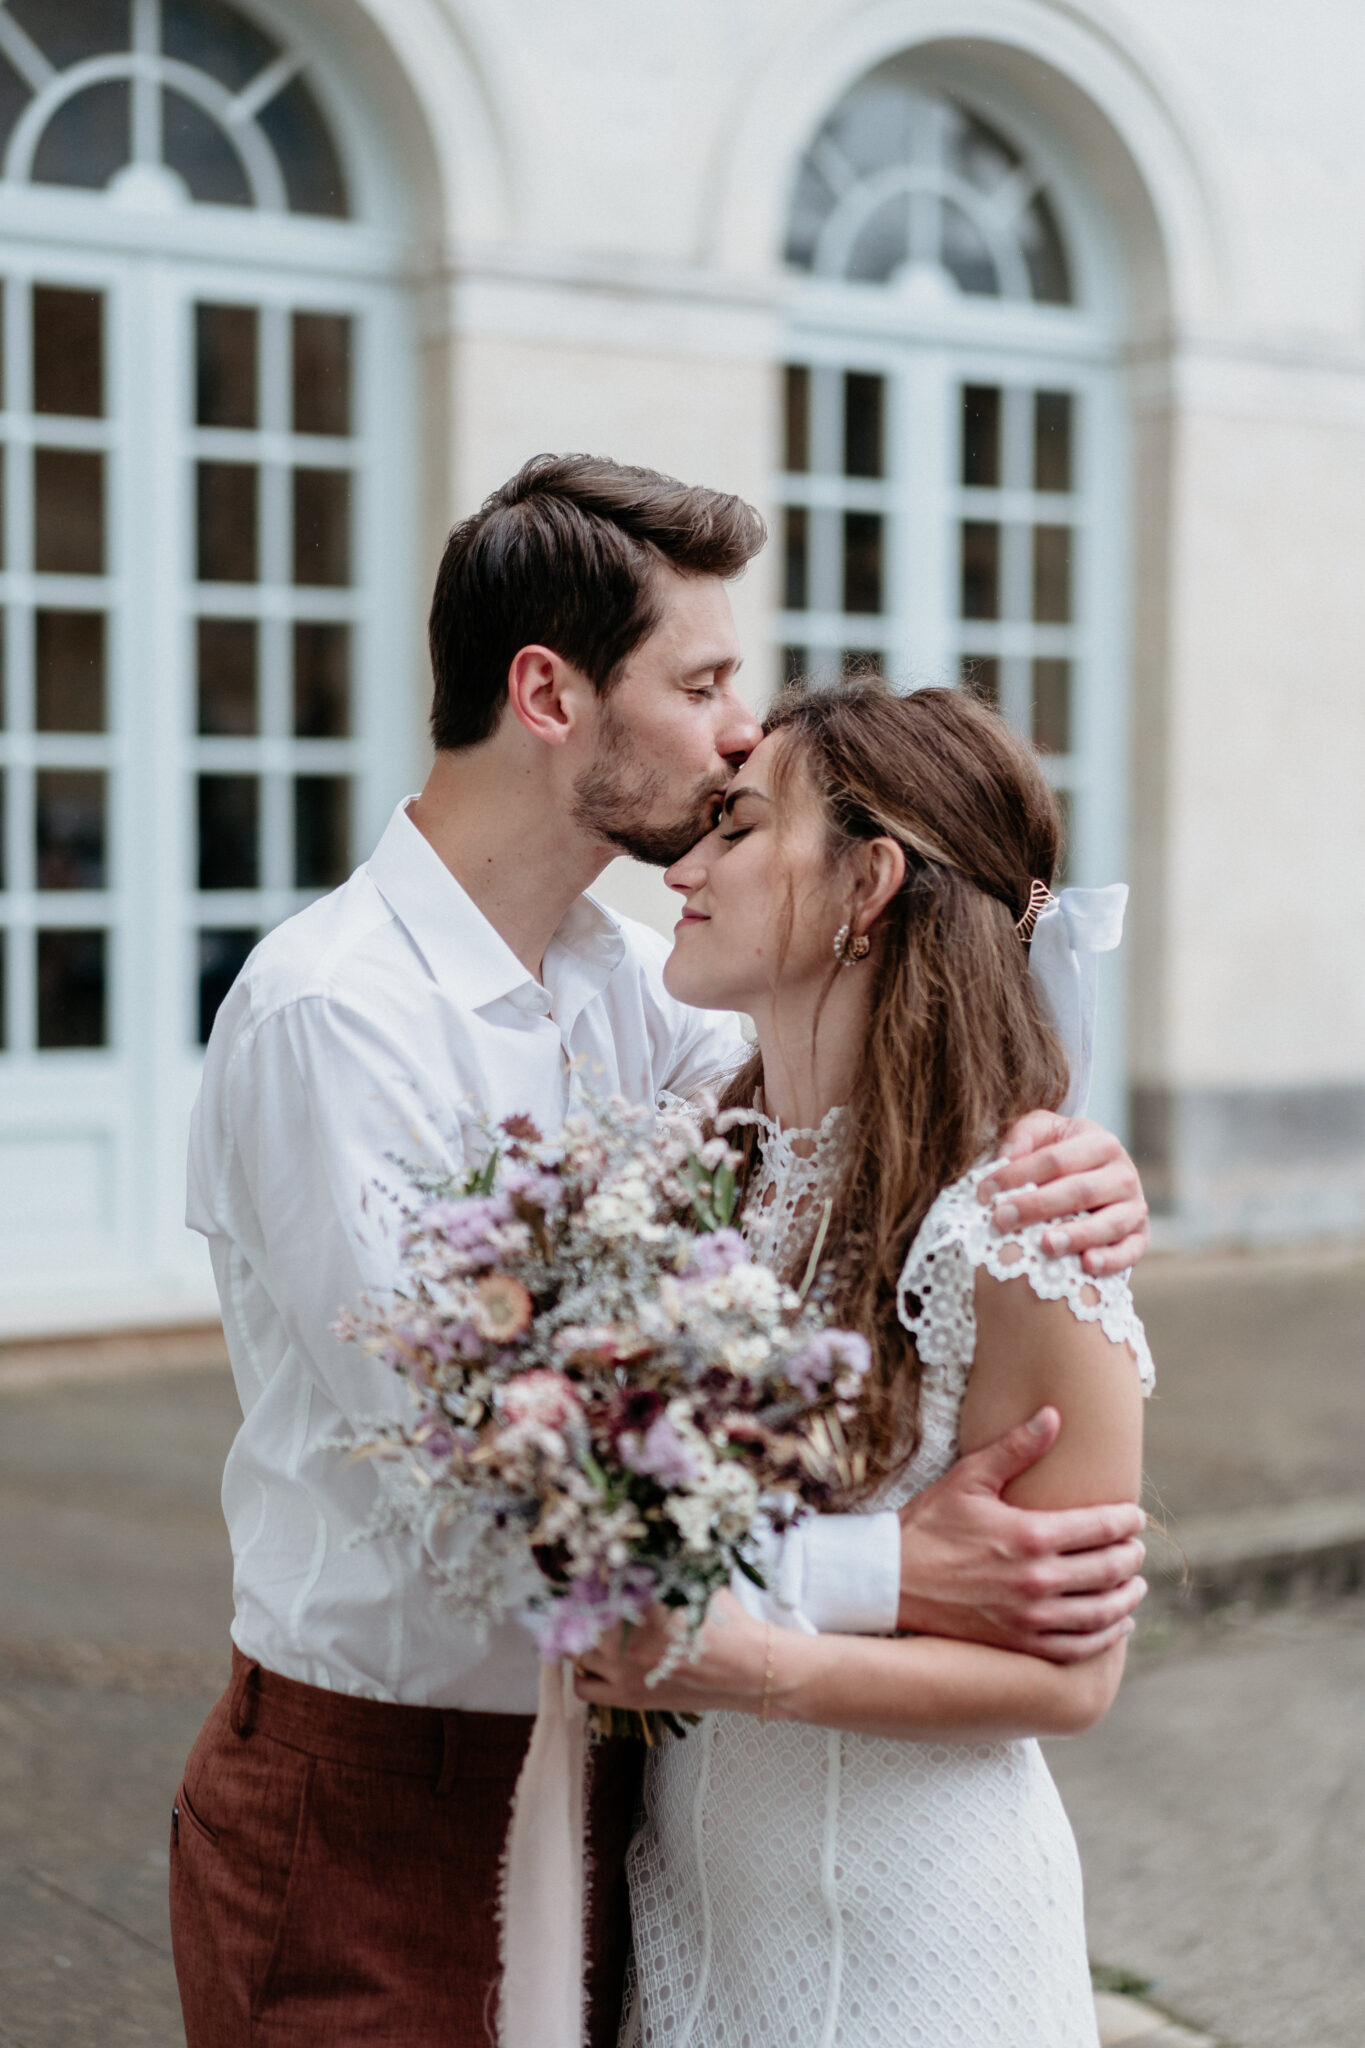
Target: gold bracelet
[(767, 1674)]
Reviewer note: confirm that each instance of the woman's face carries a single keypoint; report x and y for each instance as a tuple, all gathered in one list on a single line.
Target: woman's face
[(761, 908)]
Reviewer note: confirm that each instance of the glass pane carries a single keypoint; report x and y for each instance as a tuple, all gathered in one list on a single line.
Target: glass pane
[(311, 168), (222, 956), (976, 153), (981, 436), (87, 139), (68, 352), (225, 366), (216, 38), (980, 674), (863, 403), (322, 526), (1052, 706), (227, 677), (980, 569), (1045, 254), (4, 992), (1052, 575), (862, 561), (68, 30), (72, 984), (322, 831), (69, 822), (796, 417), (68, 672), (964, 253), (4, 847), (4, 706), (2, 501), (322, 681), (14, 97), (194, 145), (68, 512), (322, 373), (227, 522), (795, 541), (883, 242), (1052, 440), (229, 835)]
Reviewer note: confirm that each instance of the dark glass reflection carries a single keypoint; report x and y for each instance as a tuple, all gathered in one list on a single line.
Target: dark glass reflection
[(68, 512), (980, 674), (981, 436), (883, 242), (322, 373), (88, 138), (1052, 706), (229, 831), (72, 990), (225, 365), (1052, 575), (14, 97), (68, 672), (862, 561), (302, 141), (68, 352), (222, 956), (863, 410), (1052, 440), (322, 681), (322, 831), (964, 253), (795, 556), (217, 38), (70, 828), (66, 31), (227, 522), (1045, 254), (322, 527), (226, 672), (980, 569), (796, 417), (195, 146)]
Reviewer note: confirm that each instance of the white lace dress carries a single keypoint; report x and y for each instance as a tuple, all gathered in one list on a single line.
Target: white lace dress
[(797, 1887)]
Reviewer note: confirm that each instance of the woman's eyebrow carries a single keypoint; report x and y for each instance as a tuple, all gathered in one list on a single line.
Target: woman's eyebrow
[(733, 796)]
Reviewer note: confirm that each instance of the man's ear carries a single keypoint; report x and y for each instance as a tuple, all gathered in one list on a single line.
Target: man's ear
[(545, 694), (882, 863)]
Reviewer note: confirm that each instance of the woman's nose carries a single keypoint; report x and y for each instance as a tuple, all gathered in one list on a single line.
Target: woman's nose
[(685, 875)]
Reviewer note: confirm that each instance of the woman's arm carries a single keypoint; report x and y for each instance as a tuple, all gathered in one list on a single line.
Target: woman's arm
[(924, 1688)]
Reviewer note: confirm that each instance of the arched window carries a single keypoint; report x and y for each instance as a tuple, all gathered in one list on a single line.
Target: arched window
[(204, 604), (951, 489)]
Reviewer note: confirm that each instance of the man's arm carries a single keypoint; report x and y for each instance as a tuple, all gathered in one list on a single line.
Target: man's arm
[(1080, 1171)]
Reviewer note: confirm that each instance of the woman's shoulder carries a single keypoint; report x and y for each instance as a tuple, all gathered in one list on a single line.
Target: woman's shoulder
[(958, 1238)]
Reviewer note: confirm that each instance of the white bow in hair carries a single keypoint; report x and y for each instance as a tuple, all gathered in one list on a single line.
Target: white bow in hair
[(1063, 959)]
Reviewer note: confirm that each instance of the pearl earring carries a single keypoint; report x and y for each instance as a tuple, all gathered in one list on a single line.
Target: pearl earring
[(850, 948)]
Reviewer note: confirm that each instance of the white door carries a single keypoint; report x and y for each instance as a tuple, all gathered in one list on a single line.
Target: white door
[(206, 612)]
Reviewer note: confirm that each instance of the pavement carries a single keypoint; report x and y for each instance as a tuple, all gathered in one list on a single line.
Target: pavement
[(1219, 1807)]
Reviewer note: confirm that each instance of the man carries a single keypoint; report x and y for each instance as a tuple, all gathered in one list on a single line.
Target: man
[(337, 1835)]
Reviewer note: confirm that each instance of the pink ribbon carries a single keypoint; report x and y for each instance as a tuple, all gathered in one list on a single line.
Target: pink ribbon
[(544, 1884)]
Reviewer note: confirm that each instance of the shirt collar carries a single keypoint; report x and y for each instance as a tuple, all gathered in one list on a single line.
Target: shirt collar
[(464, 952)]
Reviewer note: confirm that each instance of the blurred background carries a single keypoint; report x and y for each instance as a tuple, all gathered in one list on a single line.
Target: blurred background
[(1036, 328)]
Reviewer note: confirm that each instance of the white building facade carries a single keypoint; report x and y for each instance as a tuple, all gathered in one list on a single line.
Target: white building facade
[(1035, 327)]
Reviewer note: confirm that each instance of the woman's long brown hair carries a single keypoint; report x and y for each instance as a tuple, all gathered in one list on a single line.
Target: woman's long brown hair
[(957, 1044)]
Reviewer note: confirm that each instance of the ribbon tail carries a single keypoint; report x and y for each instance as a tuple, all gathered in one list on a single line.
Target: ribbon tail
[(544, 1878)]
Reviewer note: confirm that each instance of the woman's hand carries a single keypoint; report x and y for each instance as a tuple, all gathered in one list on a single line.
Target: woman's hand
[(1080, 1170), (727, 1670)]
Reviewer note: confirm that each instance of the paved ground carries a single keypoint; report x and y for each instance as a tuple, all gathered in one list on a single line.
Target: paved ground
[(1220, 1807)]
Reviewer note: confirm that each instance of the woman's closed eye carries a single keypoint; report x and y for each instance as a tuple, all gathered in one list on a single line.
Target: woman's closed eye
[(742, 832)]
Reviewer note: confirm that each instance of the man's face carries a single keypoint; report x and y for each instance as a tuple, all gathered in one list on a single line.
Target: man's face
[(667, 738)]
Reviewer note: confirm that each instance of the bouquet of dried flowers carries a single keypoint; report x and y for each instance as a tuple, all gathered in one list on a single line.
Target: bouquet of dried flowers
[(610, 1396)]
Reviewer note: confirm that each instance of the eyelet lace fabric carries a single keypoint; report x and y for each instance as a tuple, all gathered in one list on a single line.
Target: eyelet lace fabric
[(797, 1887)]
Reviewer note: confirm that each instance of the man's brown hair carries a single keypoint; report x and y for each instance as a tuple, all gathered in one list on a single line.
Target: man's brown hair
[(563, 556)]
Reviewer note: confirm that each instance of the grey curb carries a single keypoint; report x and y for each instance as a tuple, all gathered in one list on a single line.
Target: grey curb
[(1123, 2019), (1257, 1556)]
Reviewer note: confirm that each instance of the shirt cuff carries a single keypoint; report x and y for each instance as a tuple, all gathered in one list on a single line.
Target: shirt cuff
[(851, 1577)]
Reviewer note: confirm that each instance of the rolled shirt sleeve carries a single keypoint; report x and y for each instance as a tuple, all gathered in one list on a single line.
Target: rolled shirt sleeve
[(829, 1575)]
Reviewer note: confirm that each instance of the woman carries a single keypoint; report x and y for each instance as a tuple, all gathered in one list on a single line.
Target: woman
[(861, 1844)]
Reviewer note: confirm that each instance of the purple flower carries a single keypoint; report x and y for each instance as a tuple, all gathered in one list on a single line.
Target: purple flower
[(720, 1252), (588, 1609), (659, 1454), (465, 1224), (528, 1184), (828, 1357)]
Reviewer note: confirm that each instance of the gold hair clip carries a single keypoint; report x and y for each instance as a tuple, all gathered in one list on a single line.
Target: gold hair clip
[(1040, 898)]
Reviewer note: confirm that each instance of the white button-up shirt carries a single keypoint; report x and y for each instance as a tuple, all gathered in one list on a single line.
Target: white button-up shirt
[(343, 1053)]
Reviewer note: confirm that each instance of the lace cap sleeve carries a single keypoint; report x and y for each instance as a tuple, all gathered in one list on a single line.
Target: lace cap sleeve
[(935, 1295)]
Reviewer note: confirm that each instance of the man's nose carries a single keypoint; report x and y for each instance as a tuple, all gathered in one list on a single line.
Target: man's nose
[(740, 731)]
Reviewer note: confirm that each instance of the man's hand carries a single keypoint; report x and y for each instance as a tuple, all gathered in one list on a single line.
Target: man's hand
[(1055, 1583), (1082, 1171)]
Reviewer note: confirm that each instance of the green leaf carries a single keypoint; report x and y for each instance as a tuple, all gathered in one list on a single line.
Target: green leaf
[(752, 1573)]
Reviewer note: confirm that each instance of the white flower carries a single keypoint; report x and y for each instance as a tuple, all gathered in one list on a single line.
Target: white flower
[(751, 1289), (690, 1513), (746, 1355)]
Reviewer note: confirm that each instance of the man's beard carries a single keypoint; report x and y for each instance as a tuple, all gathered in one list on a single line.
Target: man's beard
[(614, 799)]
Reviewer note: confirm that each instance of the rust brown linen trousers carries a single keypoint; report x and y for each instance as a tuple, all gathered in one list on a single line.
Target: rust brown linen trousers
[(335, 1865)]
